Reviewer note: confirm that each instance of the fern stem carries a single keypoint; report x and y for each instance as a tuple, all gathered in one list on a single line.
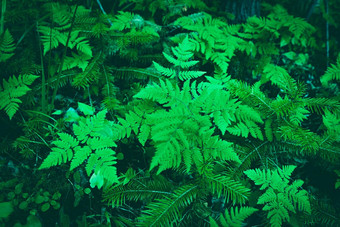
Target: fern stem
[(327, 34), (43, 78), (102, 9), (3, 10), (63, 58)]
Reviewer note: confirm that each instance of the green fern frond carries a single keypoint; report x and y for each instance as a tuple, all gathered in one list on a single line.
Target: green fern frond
[(303, 138), (92, 144), (7, 46), (102, 163), (137, 188), (235, 218), (62, 152), (168, 211), (320, 105), (80, 155), (13, 89), (183, 52), (268, 129), (332, 73), (332, 123), (90, 75), (281, 78), (223, 185), (280, 198), (122, 21)]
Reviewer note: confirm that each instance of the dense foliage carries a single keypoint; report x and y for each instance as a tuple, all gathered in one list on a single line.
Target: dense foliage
[(169, 113)]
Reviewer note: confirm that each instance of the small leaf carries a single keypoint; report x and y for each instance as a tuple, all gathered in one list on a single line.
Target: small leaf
[(39, 199), (86, 109), (23, 205), (6, 208), (97, 180), (45, 207)]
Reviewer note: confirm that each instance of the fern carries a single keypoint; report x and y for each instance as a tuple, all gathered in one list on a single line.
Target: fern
[(182, 131), (52, 37), (93, 142), (13, 89), (279, 197), (181, 60), (62, 152), (332, 73), (159, 213), (134, 187), (7, 46), (210, 39), (299, 29), (90, 74), (235, 218), (279, 76), (223, 185), (122, 21)]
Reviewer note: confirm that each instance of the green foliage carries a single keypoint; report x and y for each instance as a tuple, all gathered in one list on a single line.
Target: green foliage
[(12, 90), (235, 218), (183, 53), (280, 196), (161, 211), (332, 73), (210, 40), (7, 46), (187, 127), (224, 185), (52, 37), (93, 141), (184, 141)]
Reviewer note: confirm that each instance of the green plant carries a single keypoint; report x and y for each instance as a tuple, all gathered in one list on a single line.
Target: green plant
[(7, 46), (235, 218), (12, 90), (93, 141), (280, 197)]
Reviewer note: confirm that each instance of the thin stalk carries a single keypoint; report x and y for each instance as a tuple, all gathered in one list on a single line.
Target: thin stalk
[(63, 58), (103, 11), (2, 21), (43, 78), (327, 34)]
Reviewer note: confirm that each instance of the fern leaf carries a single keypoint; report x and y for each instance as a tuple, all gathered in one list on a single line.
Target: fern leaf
[(332, 73), (168, 211), (222, 185), (62, 152), (80, 155), (7, 46), (13, 89), (280, 197), (234, 217)]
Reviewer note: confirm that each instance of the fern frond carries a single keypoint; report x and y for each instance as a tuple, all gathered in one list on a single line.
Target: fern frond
[(319, 105), (89, 75), (223, 185), (168, 211), (13, 89), (122, 21), (280, 197), (93, 143), (183, 52), (138, 188), (332, 73), (281, 78), (62, 152), (303, 138), (235, 218), (7, 46)]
